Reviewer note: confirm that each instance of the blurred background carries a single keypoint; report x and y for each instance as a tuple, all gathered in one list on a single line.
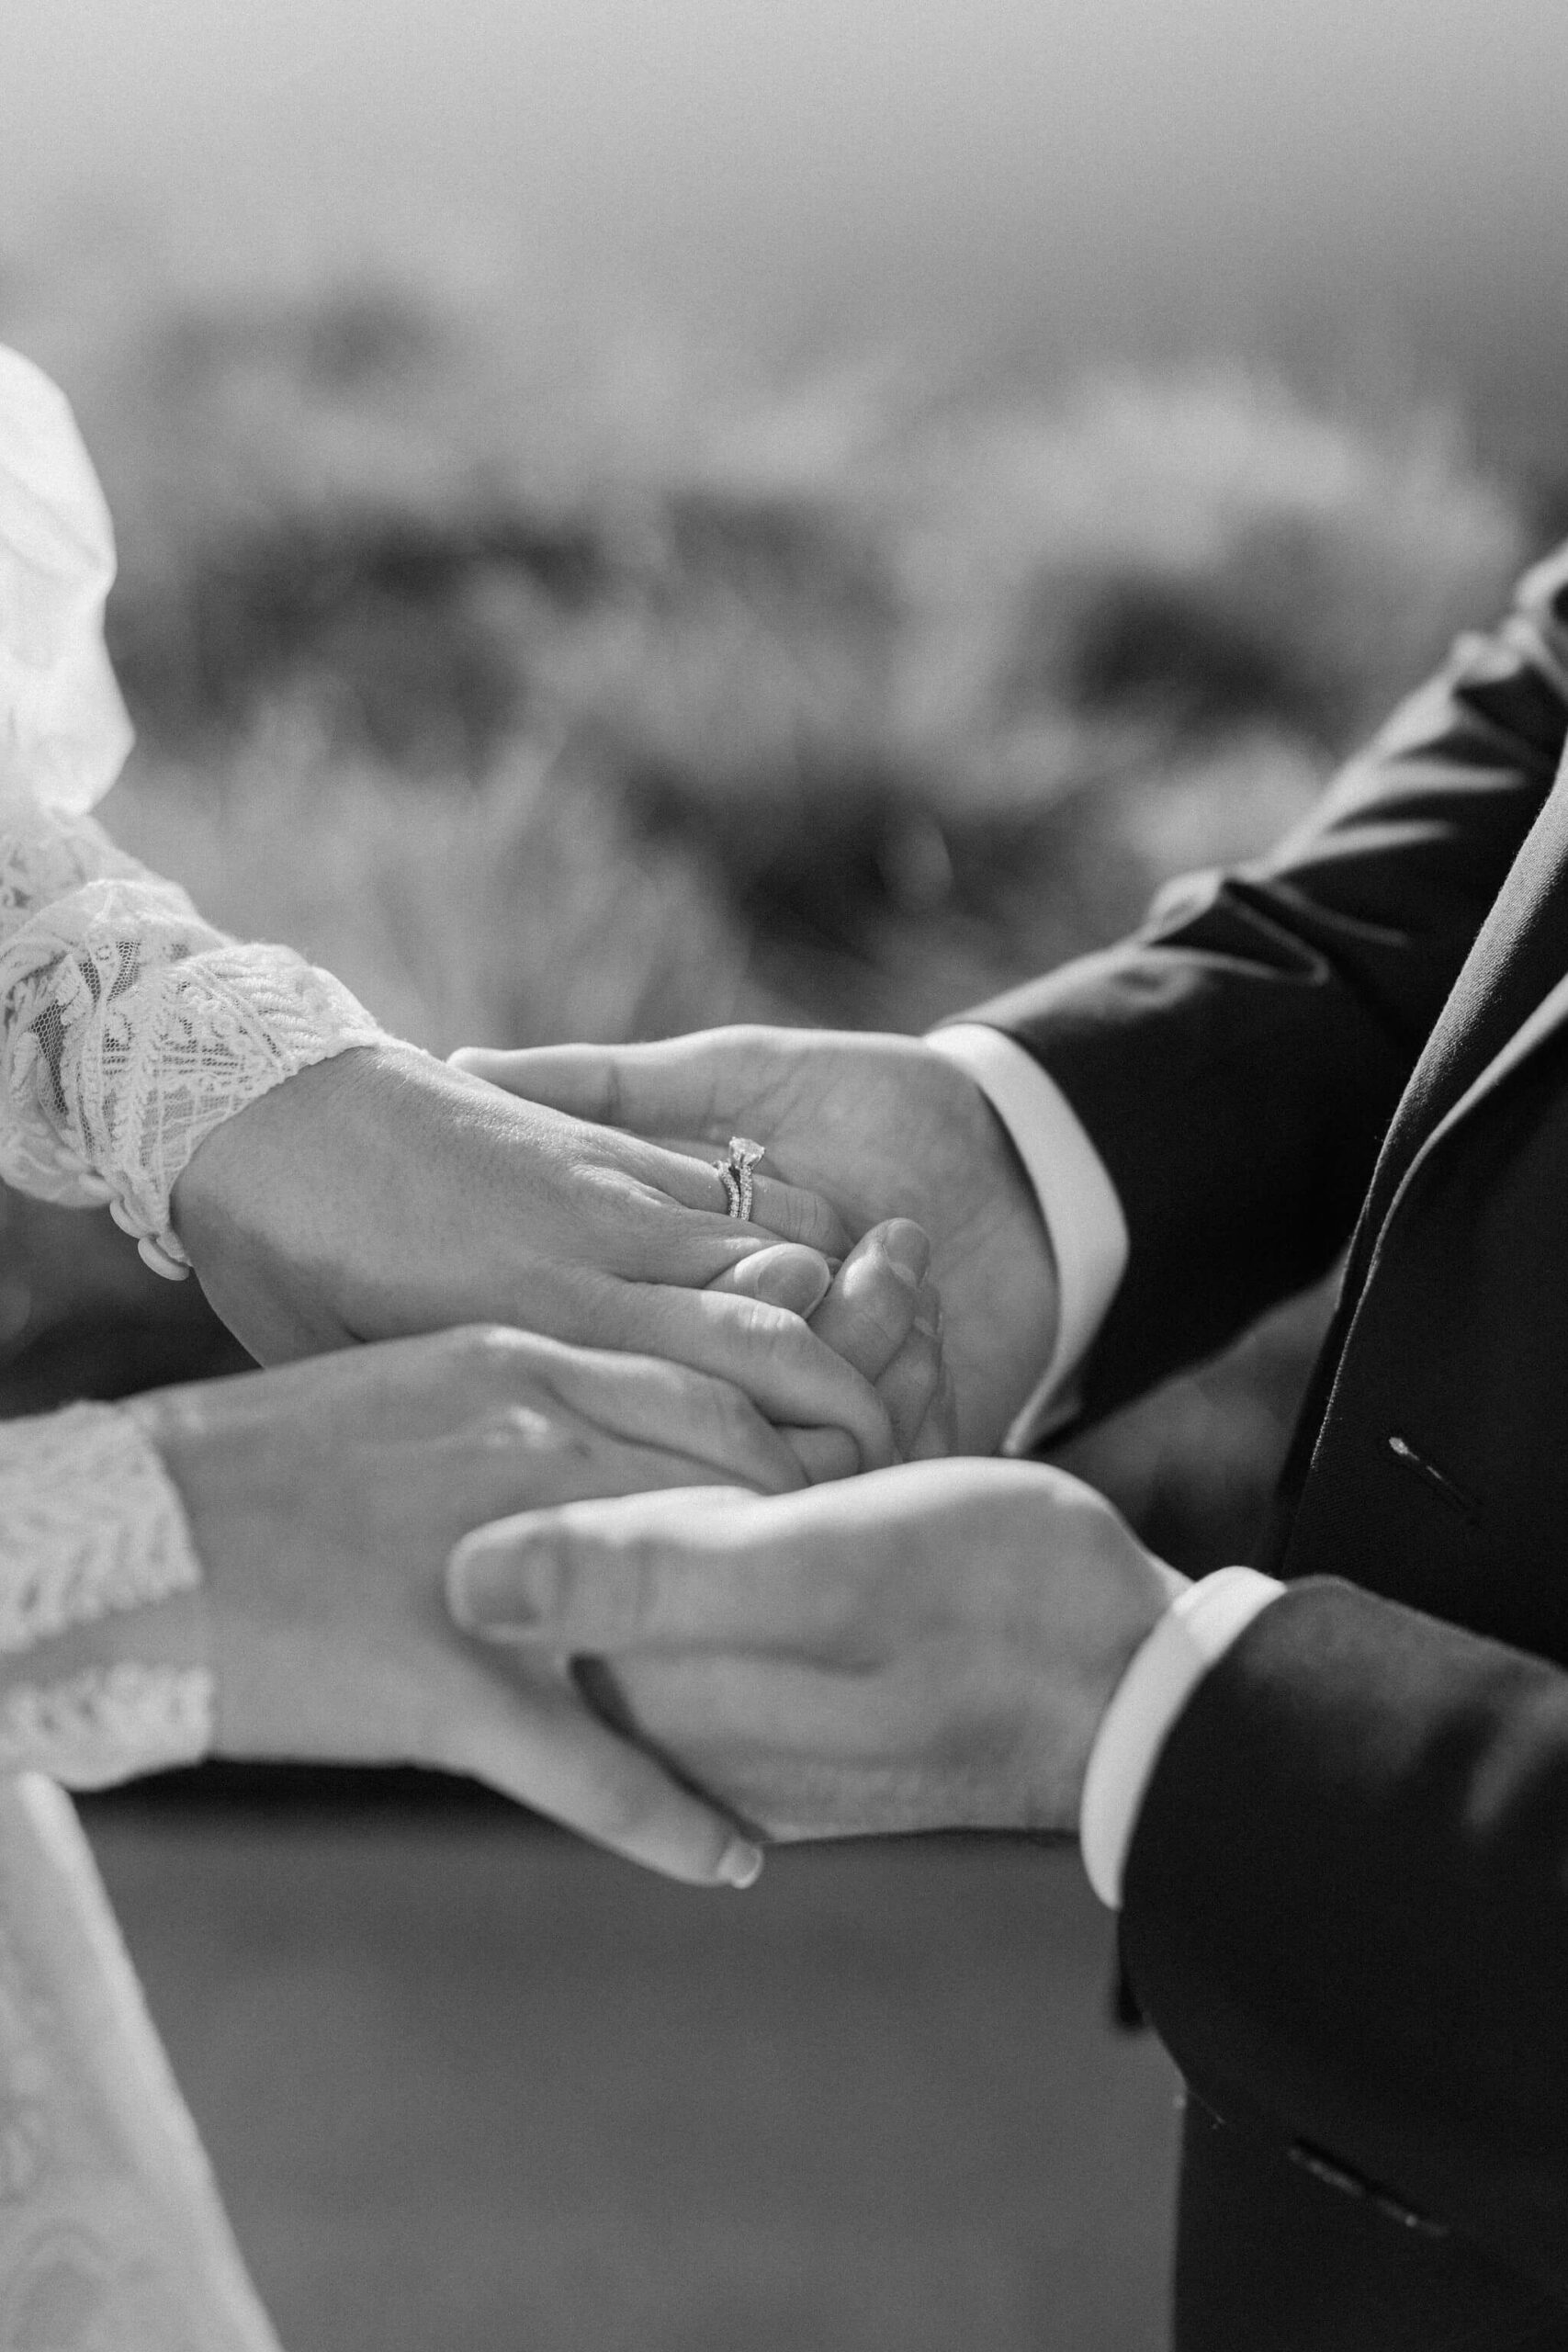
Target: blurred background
[(631, 518)]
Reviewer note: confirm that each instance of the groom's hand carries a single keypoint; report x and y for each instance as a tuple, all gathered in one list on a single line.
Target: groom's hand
[(878, 1126), (933, 1647), (383, 1193)]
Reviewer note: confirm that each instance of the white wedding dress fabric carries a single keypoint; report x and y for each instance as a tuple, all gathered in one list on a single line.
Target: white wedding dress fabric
[(130, 1028)]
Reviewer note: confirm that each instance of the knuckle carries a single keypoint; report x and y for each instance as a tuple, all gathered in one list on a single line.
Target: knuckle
[(753, 1322), (483, 1354), (811, 1220), (781, 1332), (535, 1431)]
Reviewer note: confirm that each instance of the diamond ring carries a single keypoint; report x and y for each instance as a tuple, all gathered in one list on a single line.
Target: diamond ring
[(735, 1174)]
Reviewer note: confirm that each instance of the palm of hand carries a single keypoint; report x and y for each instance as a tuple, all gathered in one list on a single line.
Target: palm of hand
[(882, 1127)]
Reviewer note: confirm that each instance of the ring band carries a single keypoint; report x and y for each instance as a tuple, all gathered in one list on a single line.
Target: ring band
[(735, 1174)]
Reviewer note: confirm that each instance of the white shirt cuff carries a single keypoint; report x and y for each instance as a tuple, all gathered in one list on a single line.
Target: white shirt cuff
[(1077, 1201), (1194, 1634)]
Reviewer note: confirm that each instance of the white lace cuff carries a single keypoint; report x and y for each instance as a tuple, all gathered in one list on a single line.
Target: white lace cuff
[(92, 1527), (130, 1028), (108, 1724)]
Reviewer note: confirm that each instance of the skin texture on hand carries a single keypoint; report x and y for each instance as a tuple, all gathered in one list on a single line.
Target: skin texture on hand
[(323, 1500), (382, 1193), (884, 1317), (878, 1126), (930, 1647)]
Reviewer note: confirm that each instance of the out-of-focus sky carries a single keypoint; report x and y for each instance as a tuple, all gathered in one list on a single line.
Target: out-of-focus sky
[(1041, 179)]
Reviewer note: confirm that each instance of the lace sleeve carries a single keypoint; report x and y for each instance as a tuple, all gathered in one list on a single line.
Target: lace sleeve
[(102, 1676), (128, 1028)]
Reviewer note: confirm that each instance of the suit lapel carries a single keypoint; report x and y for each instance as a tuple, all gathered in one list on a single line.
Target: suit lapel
[(1510, 975), (1511, 994)]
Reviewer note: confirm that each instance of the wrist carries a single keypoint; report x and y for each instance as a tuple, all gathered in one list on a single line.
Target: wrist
[(271, 1206), (233, 1170), (1096, 1593), (225, 1447), (1137, 1605)]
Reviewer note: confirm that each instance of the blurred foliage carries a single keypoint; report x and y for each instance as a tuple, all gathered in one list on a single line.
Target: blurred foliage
[(605, 692)]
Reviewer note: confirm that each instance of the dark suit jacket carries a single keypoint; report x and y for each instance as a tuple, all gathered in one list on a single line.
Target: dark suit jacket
[(1346, 1899)]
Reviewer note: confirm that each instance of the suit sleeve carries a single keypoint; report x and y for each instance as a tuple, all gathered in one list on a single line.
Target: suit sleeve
[(1237, 1062), (1346, 1909)]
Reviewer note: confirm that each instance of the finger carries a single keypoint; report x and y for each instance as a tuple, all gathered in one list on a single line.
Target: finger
[(938, 1433), (784, 1276), (703, 1569), (588, 1464), (678, 1086), (774, 1203), (909, 1386), (823, 1454), (708, 1083), (550, 1752), (795, 1213), (791, 1212), (669, 1410), (690, 1235), (788, 1372), (779, 1211), (870, 1311), (572, 1458)]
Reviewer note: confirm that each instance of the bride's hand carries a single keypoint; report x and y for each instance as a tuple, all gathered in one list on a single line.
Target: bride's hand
[(382, 1193), (323, 1500), (879, 1126)]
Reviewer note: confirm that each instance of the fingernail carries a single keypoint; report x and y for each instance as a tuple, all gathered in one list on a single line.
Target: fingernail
[(493, 1589), (788, 1276), (909, 1250), (741, 1865), (929, 1315)]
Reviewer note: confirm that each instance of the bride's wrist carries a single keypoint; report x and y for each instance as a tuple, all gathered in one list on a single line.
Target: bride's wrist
[(264, 1194), (225, 1450), (235, 1168), (203, 1449)]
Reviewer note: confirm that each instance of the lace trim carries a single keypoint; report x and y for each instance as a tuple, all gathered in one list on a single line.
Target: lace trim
[(90, 1522), (129, 1029), (107, 1723)]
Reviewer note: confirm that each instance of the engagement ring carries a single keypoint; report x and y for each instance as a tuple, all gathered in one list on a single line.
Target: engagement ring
[(735, 1173)]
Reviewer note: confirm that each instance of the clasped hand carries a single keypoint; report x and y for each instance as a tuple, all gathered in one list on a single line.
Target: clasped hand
[(872, 1128), (382, 1193), (323, 1499), (928, 1647)]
